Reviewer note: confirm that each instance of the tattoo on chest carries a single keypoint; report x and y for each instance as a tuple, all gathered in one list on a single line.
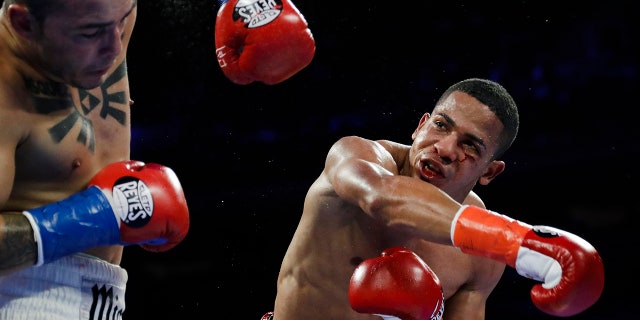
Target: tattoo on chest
[(50, 97)]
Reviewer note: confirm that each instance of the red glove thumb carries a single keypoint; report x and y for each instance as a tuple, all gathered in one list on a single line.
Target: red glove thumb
[(580, 280)]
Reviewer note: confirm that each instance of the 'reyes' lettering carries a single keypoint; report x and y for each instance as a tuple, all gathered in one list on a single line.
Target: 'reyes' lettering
[(257, 13), (134, 202)]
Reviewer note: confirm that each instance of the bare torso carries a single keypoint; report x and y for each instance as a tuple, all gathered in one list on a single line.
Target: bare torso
[(315, 273), (334, 236), (54, 138)]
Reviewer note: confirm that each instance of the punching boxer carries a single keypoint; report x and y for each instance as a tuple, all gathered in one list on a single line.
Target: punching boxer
[(376, 195)]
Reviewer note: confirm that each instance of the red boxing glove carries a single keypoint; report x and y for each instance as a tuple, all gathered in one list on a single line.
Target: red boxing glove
[(262, 40), (570, 269), (397, 284), (127, 202), (149, 201)]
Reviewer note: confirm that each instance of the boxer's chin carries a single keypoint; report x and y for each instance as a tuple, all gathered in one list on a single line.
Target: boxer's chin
[(90, 80)]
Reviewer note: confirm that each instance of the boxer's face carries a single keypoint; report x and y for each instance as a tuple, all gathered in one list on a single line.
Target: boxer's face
[(79, 42), (453, 146)]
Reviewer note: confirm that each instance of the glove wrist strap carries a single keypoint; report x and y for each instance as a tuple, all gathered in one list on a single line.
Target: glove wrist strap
[(84, 220), (485, 233)]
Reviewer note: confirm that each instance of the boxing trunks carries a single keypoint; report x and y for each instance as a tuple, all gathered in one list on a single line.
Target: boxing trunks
[(76, 287)]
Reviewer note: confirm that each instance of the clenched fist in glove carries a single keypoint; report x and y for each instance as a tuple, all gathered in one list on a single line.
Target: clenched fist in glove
[(570, 269), (262, 40), (397, 285), (127, 202)]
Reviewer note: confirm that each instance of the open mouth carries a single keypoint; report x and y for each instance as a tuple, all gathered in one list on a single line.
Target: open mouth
[(429, 170)]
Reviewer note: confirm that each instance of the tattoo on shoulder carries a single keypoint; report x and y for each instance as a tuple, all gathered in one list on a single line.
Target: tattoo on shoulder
[(50, 97)]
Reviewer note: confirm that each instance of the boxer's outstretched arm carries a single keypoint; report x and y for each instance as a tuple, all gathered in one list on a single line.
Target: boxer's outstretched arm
[(364, 173), (570, 269)]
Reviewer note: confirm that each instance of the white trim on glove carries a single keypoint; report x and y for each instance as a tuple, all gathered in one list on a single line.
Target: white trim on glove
[(535, 265)]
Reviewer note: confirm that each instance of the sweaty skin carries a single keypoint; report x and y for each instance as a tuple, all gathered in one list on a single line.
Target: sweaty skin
[(54, 136), (373, 195)]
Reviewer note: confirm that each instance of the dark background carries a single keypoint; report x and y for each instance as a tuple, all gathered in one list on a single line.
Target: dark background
[(246, 154)]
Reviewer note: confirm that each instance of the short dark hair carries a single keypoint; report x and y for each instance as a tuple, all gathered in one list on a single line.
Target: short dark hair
[(498, 99), (39, 9)]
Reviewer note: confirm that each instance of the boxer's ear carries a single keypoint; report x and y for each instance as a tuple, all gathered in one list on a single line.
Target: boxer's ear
[(22, 21), (494, 169)]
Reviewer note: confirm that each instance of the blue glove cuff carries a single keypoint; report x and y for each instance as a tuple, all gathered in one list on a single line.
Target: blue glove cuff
[(83, 221)]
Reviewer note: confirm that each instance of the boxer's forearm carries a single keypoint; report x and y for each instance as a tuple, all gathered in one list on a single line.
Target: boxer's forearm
[(17, 246)]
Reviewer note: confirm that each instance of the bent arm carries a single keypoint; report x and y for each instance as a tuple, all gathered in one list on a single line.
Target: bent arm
[(17, 245), (363, 173)]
